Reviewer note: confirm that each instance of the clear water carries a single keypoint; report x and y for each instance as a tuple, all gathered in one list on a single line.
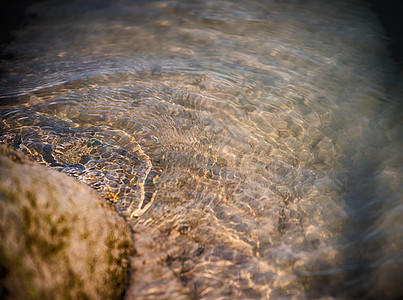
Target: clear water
[(254, 147)]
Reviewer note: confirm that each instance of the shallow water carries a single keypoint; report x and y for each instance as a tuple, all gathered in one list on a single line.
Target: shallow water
[(254, 147)]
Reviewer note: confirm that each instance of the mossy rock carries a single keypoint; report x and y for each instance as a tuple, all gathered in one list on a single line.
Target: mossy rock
[(58, 238)]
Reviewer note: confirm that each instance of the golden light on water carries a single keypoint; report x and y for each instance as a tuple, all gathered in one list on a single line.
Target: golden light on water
[(251, 146)]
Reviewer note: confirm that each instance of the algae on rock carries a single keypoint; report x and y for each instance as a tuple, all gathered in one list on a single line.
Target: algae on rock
[(57, 241)]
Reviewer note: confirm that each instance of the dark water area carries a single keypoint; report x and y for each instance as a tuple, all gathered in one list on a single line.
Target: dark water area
[(14, 15), (253, 147), (388, 12)]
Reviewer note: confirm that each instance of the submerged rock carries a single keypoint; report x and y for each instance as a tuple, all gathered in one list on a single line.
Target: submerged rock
[(57, 241)]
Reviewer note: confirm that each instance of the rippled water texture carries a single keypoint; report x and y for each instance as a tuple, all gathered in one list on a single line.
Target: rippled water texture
[(254, 147)]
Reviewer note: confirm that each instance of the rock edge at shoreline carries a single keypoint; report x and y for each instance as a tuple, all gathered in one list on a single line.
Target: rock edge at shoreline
[(59, 238)]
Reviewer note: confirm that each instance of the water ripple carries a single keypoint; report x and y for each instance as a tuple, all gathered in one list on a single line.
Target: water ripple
[(233, 137)]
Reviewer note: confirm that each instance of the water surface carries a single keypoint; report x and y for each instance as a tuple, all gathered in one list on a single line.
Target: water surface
[(254, 147)]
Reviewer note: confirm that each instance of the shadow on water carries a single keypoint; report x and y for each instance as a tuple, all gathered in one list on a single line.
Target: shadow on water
[(389, 13), (372, 240), (13, 16)]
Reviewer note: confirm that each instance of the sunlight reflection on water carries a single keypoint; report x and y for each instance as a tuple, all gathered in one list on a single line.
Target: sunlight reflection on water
[(254, 144)]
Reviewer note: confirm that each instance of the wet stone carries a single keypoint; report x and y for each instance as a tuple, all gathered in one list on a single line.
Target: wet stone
[(48, 235)]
